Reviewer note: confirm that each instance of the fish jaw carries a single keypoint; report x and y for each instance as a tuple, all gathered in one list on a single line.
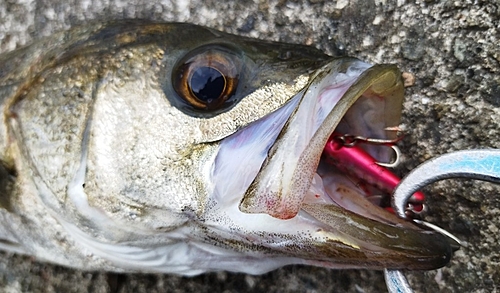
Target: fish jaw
[(285, 204)]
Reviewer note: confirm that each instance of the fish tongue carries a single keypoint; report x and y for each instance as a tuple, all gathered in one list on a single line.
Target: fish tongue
[(285, 177)]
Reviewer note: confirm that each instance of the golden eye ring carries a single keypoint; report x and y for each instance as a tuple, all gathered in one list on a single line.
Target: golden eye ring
[(206, 80)]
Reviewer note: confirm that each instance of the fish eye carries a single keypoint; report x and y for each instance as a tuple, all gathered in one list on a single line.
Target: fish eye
[(207, 77)]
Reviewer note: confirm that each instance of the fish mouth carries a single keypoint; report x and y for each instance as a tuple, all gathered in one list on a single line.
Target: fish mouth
[(346, 96), (294, 183)]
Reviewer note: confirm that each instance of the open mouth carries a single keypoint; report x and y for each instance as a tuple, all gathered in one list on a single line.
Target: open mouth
[(347, 101), (292, 186)]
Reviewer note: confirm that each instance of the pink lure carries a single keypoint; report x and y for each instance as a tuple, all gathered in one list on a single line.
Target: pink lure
[(356, 162)]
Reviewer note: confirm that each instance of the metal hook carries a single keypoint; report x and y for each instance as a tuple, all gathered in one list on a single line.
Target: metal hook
[(396, 282), (410, 208), (473, 164), (442, 231), (379, 140), (396, 162), (350, 140)]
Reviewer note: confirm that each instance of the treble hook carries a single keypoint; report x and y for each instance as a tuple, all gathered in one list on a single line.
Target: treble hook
[(474, 164), (397, 160), (349, 140)]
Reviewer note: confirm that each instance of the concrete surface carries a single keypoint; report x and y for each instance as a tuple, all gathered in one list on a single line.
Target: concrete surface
[(451, 47)]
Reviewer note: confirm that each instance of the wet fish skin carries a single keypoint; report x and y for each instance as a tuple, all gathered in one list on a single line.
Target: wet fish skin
[(103, 167)]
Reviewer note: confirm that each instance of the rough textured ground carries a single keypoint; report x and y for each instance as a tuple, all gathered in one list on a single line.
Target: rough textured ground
[(450, 46)]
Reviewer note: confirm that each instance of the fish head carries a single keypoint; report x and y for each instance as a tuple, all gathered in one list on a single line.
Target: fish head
[(178, 148)]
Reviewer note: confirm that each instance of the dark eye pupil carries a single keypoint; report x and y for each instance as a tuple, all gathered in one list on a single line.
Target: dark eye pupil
[(207, 84)]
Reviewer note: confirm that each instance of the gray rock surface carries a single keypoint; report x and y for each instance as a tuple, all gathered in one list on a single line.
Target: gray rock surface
[(452, 49)]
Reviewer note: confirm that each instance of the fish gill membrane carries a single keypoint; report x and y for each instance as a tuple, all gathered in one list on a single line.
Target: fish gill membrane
[(167, 147)]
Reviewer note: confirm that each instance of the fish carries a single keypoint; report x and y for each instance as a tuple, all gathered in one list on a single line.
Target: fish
[(136, 146)]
